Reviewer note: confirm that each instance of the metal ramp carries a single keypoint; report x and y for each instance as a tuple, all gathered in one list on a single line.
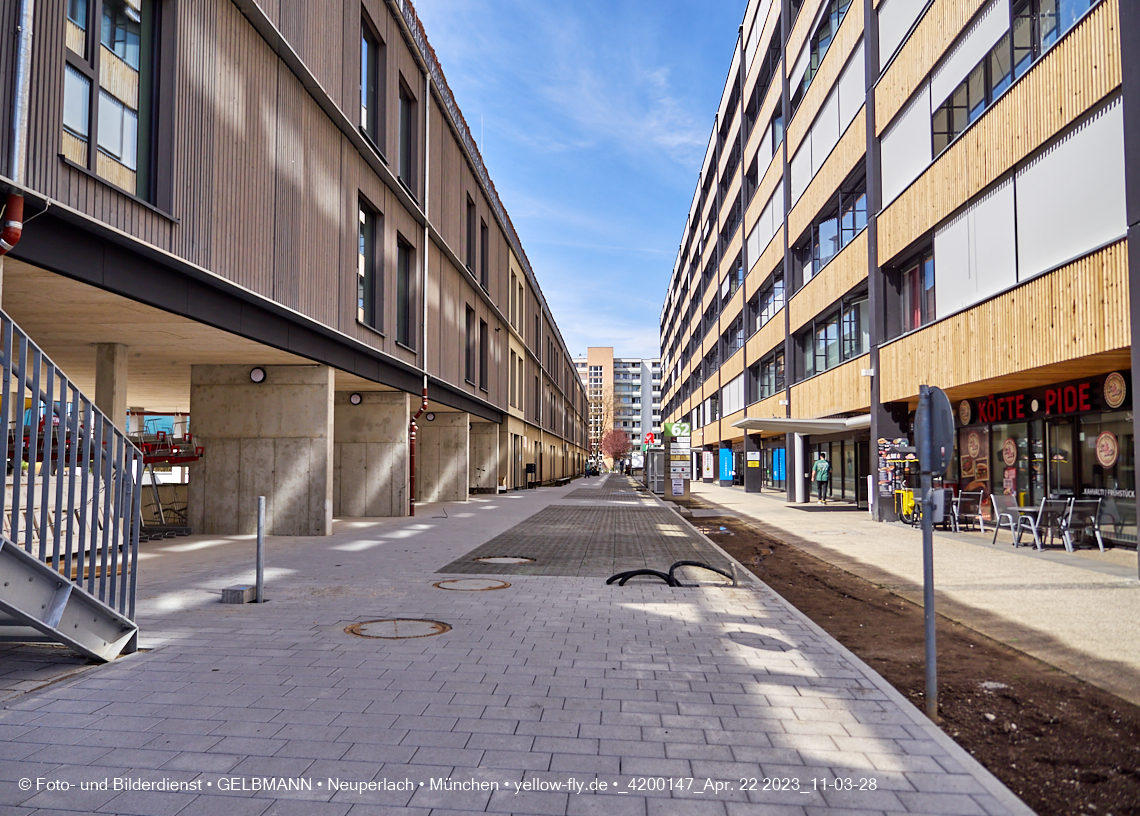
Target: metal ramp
[(70, 511)]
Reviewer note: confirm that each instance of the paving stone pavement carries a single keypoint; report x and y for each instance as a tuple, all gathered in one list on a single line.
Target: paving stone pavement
[(557, 695)]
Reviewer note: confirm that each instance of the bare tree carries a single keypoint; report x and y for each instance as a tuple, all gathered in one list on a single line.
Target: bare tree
[(601, 420)]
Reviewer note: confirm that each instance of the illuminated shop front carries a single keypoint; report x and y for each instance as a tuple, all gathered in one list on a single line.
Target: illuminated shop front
[(1058, 441)]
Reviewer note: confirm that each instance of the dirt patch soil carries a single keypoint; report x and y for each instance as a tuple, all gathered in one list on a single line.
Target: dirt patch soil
[(1063, 746)]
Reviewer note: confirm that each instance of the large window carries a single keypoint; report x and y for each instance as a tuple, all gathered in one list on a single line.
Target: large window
[(108, 91), (820, 41), (1035, 25), (766, 377), (368, 286), (407, 137), (835, 228), (404, 292), (484, 354), (484, 255), (918, 292), (371, 84), (838, 335), (767, 302), (470, 259), (470, 342)]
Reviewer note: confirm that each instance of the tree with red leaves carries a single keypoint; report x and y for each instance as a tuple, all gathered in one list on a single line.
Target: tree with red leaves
[(615, 445)]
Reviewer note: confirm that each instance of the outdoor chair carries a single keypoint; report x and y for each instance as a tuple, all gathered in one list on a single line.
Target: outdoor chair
[(1006, 512), (1050, 519), (968, 510), (1083, 518)]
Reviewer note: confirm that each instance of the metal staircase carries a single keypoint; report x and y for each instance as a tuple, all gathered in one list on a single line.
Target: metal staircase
[(70, 511)]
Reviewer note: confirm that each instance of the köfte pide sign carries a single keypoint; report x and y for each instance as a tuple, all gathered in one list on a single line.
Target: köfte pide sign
[(1110, 392)]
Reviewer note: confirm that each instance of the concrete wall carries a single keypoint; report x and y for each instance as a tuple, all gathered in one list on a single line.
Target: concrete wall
[(272, 439), (442, 458), (370, 455), (484, 464)]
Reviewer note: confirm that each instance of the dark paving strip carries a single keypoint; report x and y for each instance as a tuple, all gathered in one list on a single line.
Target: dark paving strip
[(592, 542), (606, 495)]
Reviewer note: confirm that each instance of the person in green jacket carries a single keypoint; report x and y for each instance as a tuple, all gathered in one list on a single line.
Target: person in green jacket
[(821, 475)]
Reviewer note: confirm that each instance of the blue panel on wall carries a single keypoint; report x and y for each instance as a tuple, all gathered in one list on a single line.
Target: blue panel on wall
[(726, 465)]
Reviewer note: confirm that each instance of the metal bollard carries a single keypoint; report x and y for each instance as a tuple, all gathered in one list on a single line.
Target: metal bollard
[(260, 549)]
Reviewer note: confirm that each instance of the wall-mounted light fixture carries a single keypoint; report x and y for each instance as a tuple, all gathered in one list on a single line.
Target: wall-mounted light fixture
[(257, 375), (429, 416), (355, 399)]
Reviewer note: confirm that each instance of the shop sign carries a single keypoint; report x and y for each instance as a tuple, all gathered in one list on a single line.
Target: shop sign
[(1074, 397), (1107, 450), (753, 458)]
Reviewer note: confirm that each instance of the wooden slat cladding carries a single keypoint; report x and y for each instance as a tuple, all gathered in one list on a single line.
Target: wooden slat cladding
[(844, 273), (769, 407), (933, 35), (848, 36), (1071, 313), (842, 160), (770, 257), (840, 390), (1074, 76), (767, 338)]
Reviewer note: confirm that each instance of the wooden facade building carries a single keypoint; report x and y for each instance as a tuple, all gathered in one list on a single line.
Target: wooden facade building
[(907, 192)]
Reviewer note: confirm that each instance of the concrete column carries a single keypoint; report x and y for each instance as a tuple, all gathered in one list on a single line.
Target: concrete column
[(271, 439), (484, 457), (442, 456), (797, 482), (111, 381), (370, 454)]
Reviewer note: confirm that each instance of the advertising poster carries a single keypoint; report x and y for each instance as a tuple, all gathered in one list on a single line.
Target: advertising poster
[(726, 465), (707, 471)]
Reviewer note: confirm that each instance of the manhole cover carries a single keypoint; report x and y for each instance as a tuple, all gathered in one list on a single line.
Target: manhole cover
[(471, 584), (505, 559), (397, 628)]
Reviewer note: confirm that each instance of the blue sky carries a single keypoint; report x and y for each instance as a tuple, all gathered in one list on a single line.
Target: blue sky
[(594, 118)]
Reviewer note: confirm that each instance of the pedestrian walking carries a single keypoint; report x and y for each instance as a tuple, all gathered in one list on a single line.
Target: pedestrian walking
[(821, 475)]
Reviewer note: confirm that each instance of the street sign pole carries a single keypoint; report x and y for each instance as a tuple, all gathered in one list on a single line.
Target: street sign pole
[(934, 437)]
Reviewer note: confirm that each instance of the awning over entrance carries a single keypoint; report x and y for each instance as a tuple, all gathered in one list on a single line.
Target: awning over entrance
[(805, 426)]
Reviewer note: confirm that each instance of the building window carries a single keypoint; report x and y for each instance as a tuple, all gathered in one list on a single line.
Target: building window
[(484, 255), (371, 84), (470, 260), (918, 292), (407, 138), (834, 337), (777, 127), (109, 92), (470, 341), (833, 229), (766, 303), (513, 381), (404, 291), (484, 354), (368, 282), (821, 40)]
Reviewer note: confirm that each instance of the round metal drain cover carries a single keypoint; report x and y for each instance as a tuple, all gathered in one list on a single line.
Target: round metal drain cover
[(397, 628), (471, 584), (505, 559)]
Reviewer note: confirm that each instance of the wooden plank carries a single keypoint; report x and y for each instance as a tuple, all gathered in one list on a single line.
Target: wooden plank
[(1056, 321), (846, 155), (846, 271), (840, 390)]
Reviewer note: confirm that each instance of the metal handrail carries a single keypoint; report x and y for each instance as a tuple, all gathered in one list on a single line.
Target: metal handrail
[(86, 463)]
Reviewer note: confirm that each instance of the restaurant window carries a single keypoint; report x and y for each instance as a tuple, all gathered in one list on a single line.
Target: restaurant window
[(372, 64), (407, 137), (484, 354), (918, 292), (108, 92), (1108, 472), (368, 282), (470, 341), (404, 292)]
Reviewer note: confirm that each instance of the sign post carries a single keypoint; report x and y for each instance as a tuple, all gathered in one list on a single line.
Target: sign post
[(676, 438), (934, 435)]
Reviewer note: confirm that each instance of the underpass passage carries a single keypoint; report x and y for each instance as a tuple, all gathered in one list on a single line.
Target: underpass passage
[(592, 542)]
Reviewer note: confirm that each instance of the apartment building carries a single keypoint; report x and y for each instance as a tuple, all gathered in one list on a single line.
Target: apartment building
[(273, 216), (900, 192), (624, 394)]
